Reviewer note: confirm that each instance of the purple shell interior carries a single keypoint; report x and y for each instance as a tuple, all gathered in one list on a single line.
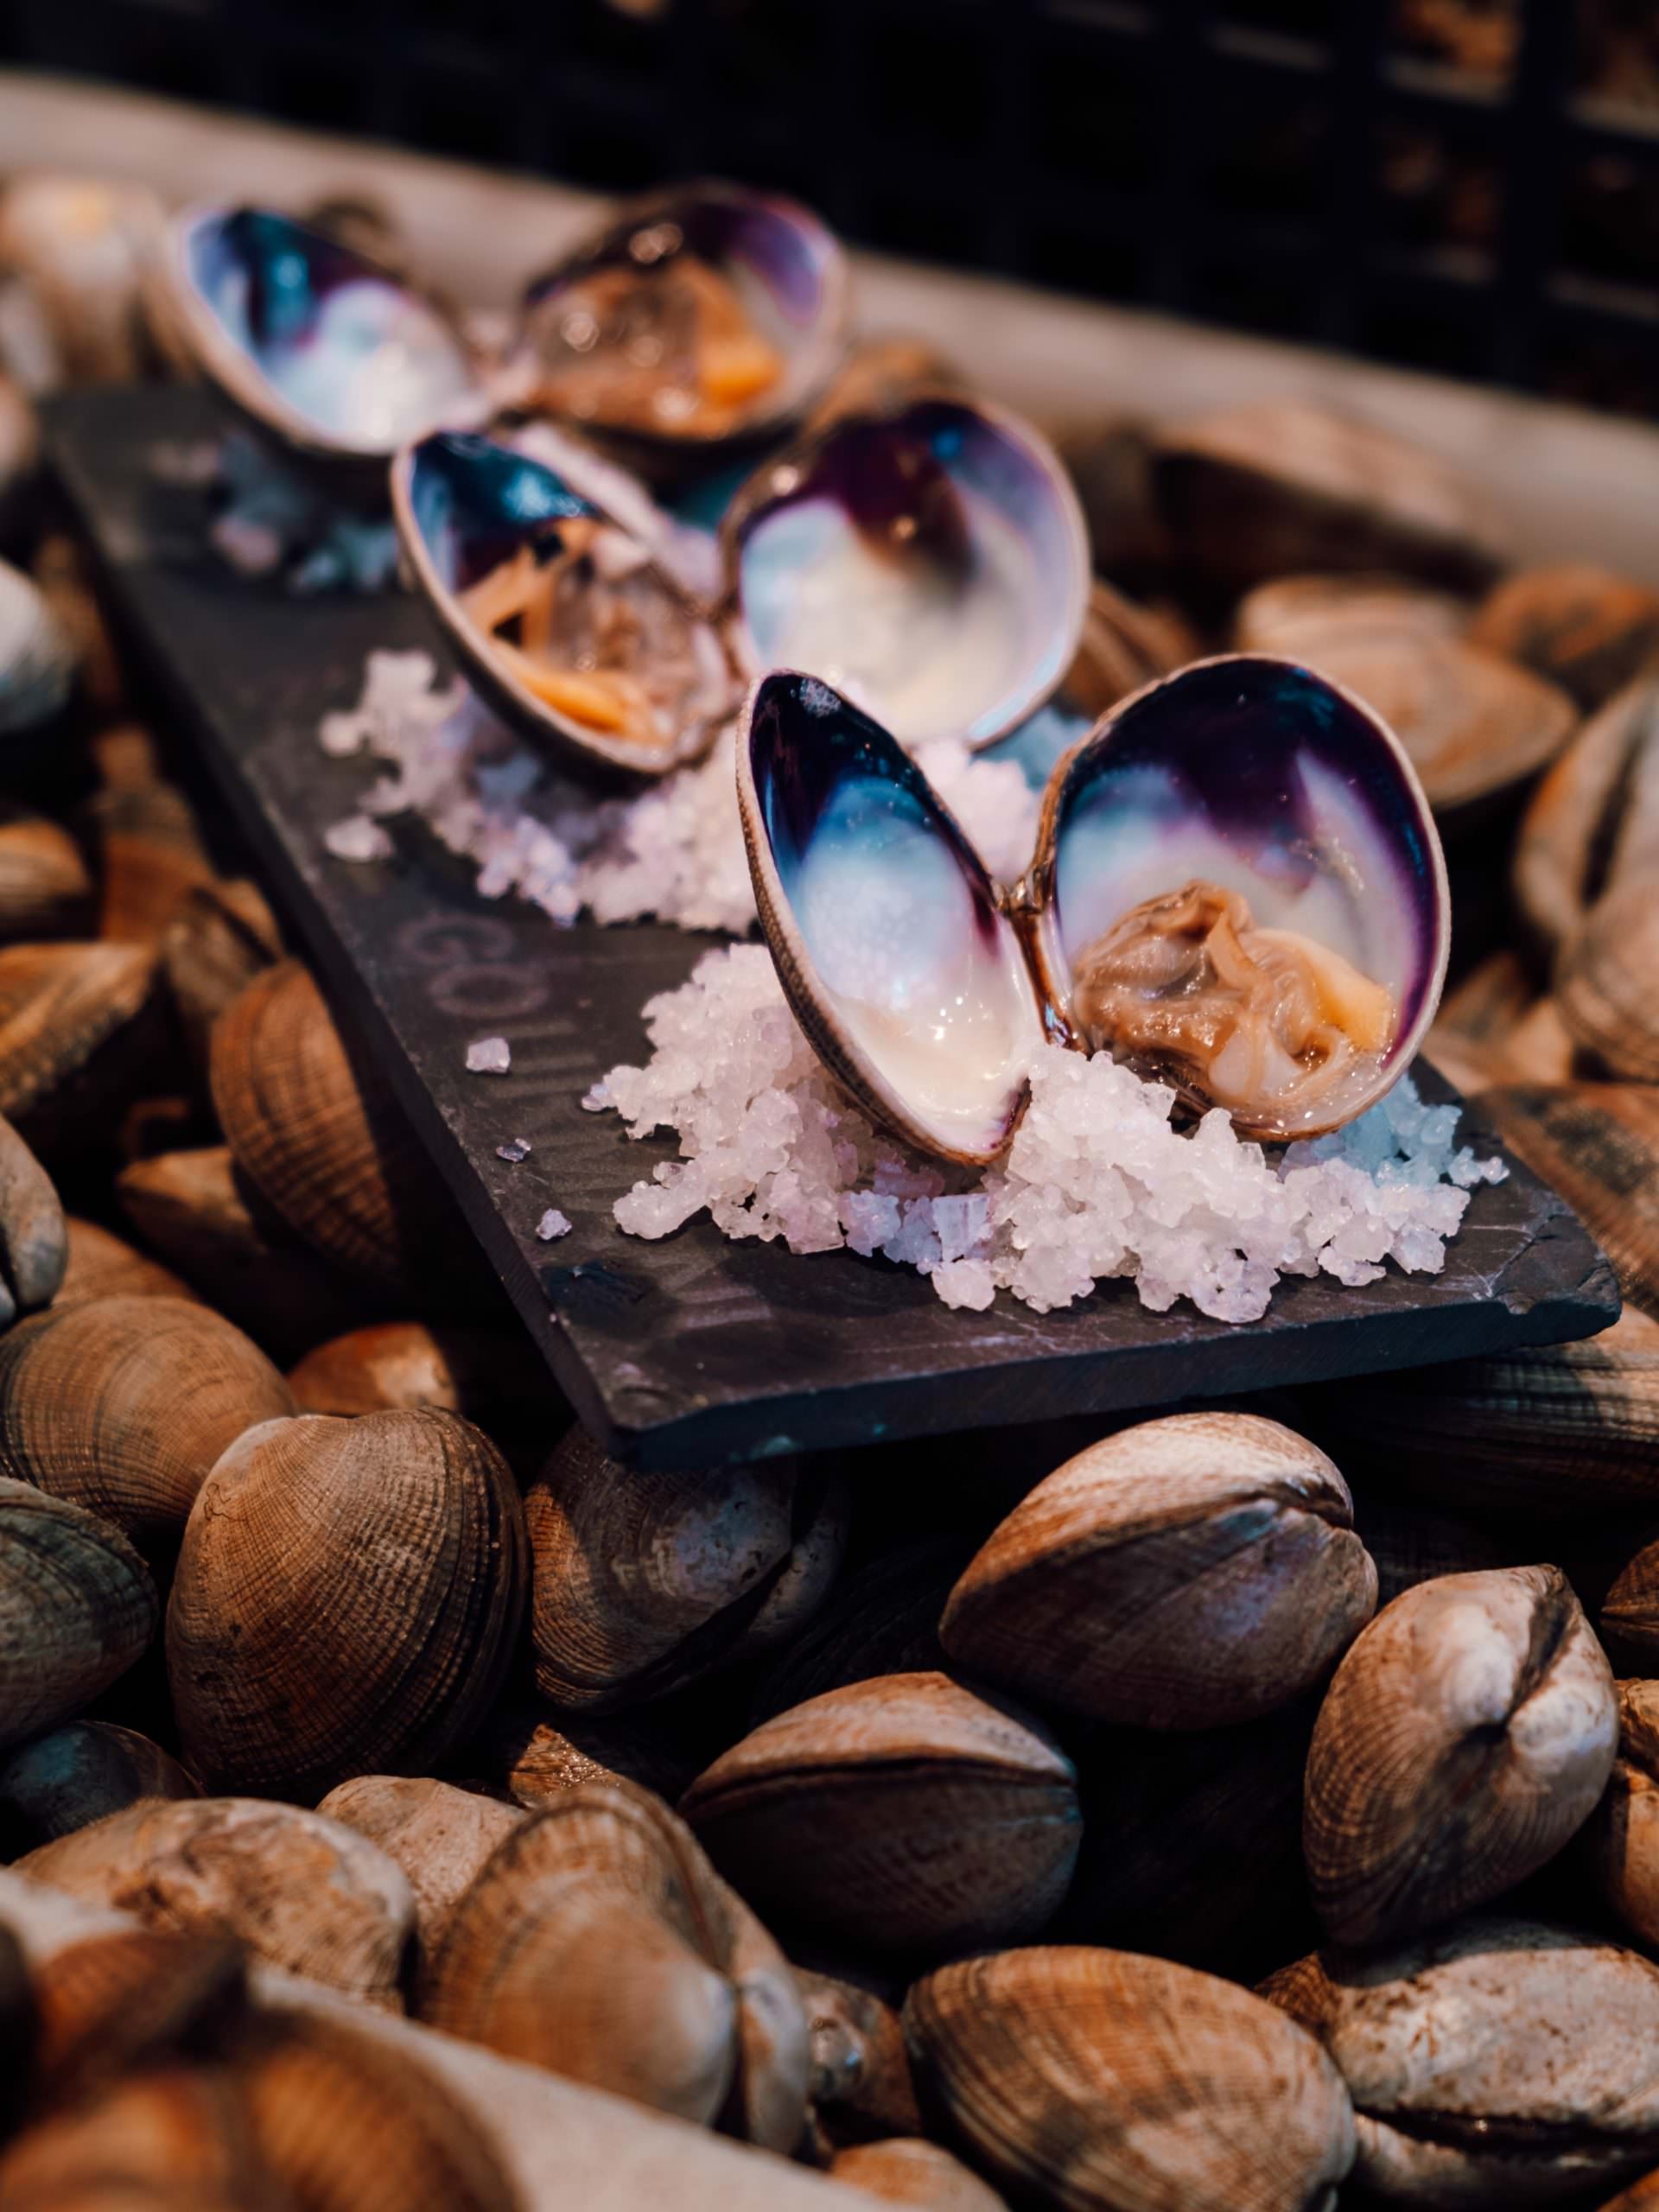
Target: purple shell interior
[(475, 502), (1266, 762)]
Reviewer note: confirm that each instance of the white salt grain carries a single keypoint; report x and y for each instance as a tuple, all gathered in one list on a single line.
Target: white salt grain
[(1096, 1184), (551, 1225), (357, 838), (674, 850), (489, 1056), (514, 1150)]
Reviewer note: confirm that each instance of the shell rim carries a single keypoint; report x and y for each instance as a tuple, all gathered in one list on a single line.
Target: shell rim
[(823, 345), (752, 498), (500, 688), (230, 369), (1037, 893), (803, 988)]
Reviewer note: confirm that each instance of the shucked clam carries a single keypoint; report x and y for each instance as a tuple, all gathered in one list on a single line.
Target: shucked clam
[(931, 562), (562, 618), (1237, 888), (321, 348), (701, 315)]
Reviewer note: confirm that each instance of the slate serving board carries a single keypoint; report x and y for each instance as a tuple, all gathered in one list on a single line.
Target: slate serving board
[(692, 1349)]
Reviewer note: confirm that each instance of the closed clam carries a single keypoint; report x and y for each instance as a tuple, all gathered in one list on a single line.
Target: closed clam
[(301, 1892), (1288, 615), (1459, 2098), (1593, 825), (77, 1608), (440, 1836), (491, 1376), (1279, 488), (1478, 1018), (74, 1775), (62, 567), (907, 2169), (1628, 1616), (643, 1582), (45, 890), (1604, 986), (1622, 1838), (123, 1404), (191, 1208), (901, 1814), (150, 858), (929, 562), (101, 1265), (127, 1998), (860, 2083), (1547, 1432), (522, 1755), (347, 1598), (707, 313), (1184, 1573), (1467, 1734), (1585, 629), (81, 1031), (222, 934), (1156, 920), (1102, 2081), (598, 1942), (34, 1239), (322, 1141), (165, 2134)]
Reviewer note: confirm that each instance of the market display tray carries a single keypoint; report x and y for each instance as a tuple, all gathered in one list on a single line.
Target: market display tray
[(693, 1350)]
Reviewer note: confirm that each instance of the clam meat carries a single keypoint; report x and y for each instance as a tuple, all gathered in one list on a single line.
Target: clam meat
[(930, 562), (564, 619), (318, 344), (1237, 889), (698, 315)]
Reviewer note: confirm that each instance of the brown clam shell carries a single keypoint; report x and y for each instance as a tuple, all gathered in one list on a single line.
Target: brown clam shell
[(222, 936), (1585, 629), (1605, 986), (1102, 2081), (1285, 616), (1622, 1838), (1124, 646), (643, 1582), (100, 1265), (347, 1598), (34, 1240), (133, 1996), (319, 1137), (1544, 1433), (18, 2027), (1467, 1734), (1597, 1144), (490, 1376), (1628, 1616), (861, 2082), (349, 2124), (170, 2134), (1280, 487), (75, 1775), (150, 858), (45, 891), (1593, 824), (62, 569), (906, 2170), (1459, 2099), (123, 1405), (191, 1208), (535, 1759), (77, 1608), (80, 1035), (1183, 1573), (598, 1942), (440, 1836), (1472, 1033), (301, 1892), (900, 1813)]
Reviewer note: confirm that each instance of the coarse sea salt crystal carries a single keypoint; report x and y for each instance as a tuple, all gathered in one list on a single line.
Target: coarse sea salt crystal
[(489, 1056), (357, 838), (551, 1225), (1098, 1184), (674, 851)]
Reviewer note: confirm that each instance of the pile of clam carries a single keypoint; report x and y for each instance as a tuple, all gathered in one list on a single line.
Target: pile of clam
[(1238, 1811)]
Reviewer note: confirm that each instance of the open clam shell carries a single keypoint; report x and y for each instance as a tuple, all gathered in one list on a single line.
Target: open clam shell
[(563, 621), (933, 562), (927, 990), (697, 316), (319, 346)]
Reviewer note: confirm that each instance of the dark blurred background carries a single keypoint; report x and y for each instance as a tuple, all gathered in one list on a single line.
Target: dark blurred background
[(1467, 186)]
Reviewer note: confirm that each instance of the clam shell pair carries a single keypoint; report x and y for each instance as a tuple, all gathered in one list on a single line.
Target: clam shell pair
[(930, 559), (927, 990)]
